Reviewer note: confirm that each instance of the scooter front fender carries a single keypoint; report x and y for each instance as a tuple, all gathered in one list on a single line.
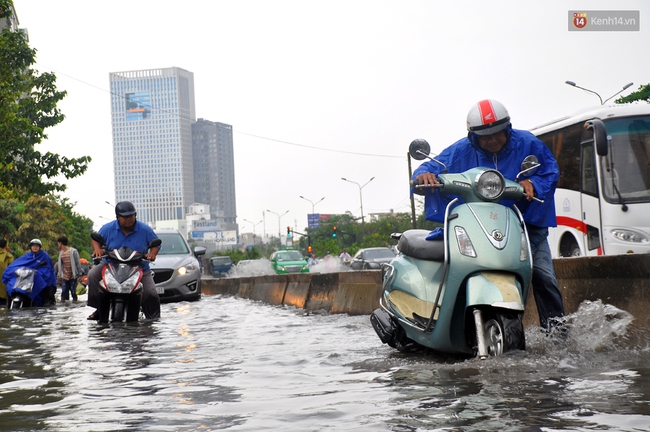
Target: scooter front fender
[(496, 289)]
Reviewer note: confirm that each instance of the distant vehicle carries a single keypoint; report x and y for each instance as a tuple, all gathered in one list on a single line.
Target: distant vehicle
[(221, 265), (289, 261), (177, 272), (371, 258)]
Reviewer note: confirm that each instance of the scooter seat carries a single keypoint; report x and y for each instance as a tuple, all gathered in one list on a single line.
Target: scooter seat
[(414, 243)]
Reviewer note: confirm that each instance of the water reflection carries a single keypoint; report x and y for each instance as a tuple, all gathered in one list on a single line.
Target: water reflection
[(229, 363)]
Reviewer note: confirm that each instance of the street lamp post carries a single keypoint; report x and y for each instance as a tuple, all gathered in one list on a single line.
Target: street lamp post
[(279, 217), (363, 222), (312, 205), (254, 225), (602, 102)]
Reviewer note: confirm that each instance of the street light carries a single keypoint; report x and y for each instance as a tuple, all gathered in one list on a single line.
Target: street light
[(254, 225), (602, 102), (363, 222), (312, 205), (279, 217)]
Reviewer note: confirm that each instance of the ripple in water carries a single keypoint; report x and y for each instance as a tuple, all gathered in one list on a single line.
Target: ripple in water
[(231, 364)]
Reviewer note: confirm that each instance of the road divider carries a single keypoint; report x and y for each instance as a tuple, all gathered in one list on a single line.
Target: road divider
[(620, 280)]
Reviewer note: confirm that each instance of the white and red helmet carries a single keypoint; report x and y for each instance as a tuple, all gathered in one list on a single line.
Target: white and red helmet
[(487, 117)]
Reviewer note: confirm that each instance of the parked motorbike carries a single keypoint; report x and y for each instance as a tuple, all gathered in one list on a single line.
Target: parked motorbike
[(463, 290), (121, 282)]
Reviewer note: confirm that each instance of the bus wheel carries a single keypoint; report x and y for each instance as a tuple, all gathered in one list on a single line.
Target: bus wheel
[(569, 248)]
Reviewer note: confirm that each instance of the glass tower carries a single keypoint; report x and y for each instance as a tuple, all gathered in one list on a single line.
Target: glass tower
[(214, 170), (152, 114)]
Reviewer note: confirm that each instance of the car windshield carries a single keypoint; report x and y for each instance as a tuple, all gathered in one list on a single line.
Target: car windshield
[(379, 253), (289, 256), (172, 243), (221, 261)]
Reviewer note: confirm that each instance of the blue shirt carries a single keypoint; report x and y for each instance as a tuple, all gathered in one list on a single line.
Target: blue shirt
[(466, 154), (138, 239)]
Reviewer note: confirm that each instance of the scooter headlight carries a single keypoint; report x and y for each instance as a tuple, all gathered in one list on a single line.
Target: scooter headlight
[(490, 184)]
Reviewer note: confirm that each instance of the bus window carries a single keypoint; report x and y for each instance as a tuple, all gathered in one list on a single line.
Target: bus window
[(565, 145), (628, 160), (589, 185)]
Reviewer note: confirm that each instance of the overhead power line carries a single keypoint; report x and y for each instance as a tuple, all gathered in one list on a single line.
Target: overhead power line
[(238, 131)]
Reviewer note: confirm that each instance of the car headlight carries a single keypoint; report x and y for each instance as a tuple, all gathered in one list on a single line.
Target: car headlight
[(627, 235), (183, 270), (490, 184)]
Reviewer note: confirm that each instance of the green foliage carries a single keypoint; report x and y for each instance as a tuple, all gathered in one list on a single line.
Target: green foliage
[(353, 235), (28, 106), (642, 94), (46, 218)]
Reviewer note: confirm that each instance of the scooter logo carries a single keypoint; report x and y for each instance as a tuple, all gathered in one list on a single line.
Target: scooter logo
[(580, 20)]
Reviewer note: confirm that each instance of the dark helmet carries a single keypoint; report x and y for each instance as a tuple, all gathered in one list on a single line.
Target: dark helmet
[(124, 208)]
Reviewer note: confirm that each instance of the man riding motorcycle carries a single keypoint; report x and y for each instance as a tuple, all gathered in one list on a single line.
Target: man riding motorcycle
[(126, 230)]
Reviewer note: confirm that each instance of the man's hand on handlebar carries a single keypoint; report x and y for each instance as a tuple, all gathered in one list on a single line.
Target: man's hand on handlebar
[(529, 189), (427, 179)]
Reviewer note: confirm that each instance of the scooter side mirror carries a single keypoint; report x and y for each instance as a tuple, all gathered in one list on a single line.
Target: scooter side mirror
[(419, 149), (155, 243), (528, 166)]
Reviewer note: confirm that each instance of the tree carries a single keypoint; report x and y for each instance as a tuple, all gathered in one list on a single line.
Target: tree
[(642, 94), (28, 106)]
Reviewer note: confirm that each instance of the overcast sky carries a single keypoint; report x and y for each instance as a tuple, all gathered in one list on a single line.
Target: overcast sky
[(320, 90)]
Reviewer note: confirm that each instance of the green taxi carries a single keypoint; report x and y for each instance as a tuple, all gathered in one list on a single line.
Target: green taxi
[(289, 261)]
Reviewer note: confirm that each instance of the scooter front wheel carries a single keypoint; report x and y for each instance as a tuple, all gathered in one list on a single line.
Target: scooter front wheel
[(503, 333)]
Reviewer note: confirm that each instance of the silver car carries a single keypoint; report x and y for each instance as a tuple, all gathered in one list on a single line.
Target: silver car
[(177, 270)]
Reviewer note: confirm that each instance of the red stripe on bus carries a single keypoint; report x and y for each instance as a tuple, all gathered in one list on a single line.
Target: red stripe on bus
[(575, 224), (572, 223)]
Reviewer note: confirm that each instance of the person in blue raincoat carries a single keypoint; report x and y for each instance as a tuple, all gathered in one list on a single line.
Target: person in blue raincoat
[(42, 281), (492, 142)]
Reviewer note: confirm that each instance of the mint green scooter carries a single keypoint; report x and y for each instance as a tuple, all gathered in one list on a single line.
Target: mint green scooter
[(463, 293)]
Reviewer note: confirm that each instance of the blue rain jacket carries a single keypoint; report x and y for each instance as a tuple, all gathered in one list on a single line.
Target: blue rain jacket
[(466, 154), (44, 277)]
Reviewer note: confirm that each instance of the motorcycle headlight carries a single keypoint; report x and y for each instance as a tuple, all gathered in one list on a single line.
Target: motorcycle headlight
[(490, 184), (125, 287)]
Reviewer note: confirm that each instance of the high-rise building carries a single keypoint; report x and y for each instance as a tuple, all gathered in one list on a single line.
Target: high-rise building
[(214, 169), (152, 114)]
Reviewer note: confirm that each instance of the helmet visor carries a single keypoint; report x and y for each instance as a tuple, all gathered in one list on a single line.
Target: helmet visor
[(491, 128)]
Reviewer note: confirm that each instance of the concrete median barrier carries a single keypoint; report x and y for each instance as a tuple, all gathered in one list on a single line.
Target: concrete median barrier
[(621, 280)]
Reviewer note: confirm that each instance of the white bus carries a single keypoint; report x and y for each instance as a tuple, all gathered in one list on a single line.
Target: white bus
[(603, 196)]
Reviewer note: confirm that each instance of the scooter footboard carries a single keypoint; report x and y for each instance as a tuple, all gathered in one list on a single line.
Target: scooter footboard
[(496, 289)]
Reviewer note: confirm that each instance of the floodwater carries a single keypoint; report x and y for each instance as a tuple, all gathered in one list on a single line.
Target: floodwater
[(225, 363)]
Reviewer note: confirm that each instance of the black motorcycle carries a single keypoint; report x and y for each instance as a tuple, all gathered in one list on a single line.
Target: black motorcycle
[(121, 282)]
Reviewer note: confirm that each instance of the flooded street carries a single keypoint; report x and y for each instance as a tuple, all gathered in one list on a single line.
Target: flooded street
[(233, 364)]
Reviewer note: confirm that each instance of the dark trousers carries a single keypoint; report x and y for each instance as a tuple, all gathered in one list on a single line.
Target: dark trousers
[(68, 287), (150, 301), (547, 294)]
